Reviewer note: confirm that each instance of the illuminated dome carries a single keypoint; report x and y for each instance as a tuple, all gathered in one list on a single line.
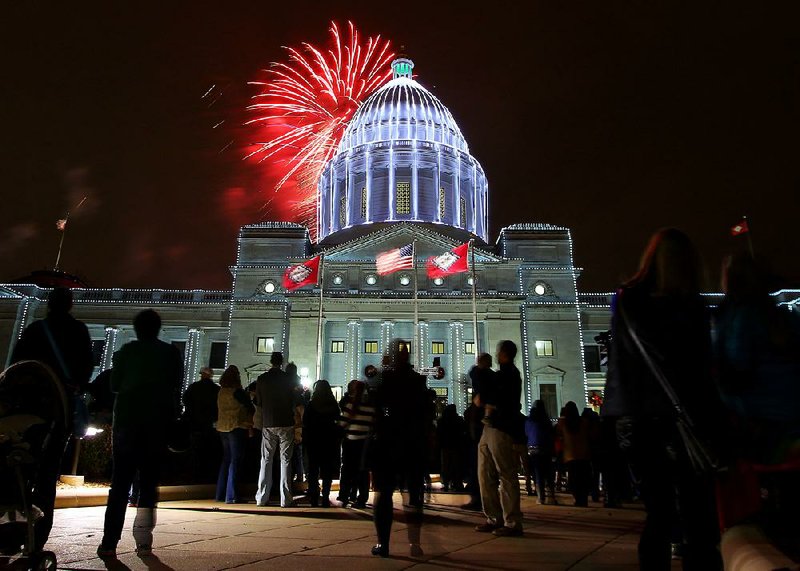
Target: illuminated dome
[(402, 158)]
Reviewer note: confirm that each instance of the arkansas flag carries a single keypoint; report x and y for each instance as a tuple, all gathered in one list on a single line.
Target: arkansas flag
[(302, 274), (740, 228), (452, 262)]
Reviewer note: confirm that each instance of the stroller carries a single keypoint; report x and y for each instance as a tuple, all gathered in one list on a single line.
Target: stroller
[(33, 427)]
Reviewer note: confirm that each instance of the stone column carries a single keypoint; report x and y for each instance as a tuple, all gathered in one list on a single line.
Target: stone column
[(110, 347)]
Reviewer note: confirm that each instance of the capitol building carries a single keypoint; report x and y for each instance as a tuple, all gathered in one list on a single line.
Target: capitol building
[(403, 173)]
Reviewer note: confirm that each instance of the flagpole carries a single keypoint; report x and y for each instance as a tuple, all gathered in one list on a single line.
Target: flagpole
[(64, 231), (319, 317), (61, 243), (474, 299), (417, 352), (749, 237)]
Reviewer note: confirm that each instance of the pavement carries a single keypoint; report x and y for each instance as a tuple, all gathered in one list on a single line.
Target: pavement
[(206, 535)]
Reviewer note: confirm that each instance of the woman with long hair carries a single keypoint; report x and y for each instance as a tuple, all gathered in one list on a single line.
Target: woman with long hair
[(321, 435), (357, 421), (661, 306), (572, 431), (234, 420)]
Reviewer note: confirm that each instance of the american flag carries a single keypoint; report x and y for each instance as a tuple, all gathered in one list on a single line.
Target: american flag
[(394, 260)]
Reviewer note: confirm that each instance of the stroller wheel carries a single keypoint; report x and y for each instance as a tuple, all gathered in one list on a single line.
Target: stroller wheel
[(44, 561)]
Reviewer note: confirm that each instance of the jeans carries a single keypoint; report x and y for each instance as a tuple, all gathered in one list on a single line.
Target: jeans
[(579, 479), (354, 486), (497, 474), (44, 489), (134, 448), (398, 462), (233, 447), (673, 493), (276, 440), (542, 470)]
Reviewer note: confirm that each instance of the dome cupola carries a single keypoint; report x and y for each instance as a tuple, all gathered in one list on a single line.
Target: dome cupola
[(402, 158)]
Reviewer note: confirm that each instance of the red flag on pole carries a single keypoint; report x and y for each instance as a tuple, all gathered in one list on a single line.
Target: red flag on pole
[(452, 262), (301, 275), (740, 228)]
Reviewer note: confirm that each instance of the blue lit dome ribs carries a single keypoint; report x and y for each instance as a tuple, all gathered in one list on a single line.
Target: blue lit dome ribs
[(403, 158)]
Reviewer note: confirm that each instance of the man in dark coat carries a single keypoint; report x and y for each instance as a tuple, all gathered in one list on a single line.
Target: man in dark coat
[(200, 413), (146, 378), (480, 374), (63, 343), (401, 434)]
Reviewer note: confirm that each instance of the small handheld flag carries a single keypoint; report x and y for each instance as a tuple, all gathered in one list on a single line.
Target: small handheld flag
[(452, 262), (301, 275)]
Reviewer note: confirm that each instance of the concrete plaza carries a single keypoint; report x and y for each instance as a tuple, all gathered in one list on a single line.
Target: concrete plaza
[(205, 535)]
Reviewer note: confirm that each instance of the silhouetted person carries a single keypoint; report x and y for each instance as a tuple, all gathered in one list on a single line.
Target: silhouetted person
[(401, 433), (102, 405), (662, 305), (200, 414), (498, 462), (63, 343), (146, 378), (322, 441), (234, 421), (450, 433), (278, 398), (757, 349), (358, 421), (541, 449), (479, 374), (572, 431)]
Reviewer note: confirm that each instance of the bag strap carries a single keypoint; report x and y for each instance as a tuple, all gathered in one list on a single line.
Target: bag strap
[(666, 386)]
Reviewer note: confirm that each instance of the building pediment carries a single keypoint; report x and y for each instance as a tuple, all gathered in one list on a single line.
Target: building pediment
[(366, 247), (549, 370)]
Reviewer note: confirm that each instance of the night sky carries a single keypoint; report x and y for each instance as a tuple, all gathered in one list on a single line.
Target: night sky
[(612, 119)]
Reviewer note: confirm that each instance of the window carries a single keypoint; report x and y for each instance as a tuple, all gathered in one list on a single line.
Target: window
[(544, 348), (265, 345), (441, 391), (370, 346), (437, 348), (469, 347), (337, 346), (441, 203), (343, 210), (404, 345), (549, 396), (364, 203), (462, 210), (403, 198), (98, 346), (216, 357), (591, 358)]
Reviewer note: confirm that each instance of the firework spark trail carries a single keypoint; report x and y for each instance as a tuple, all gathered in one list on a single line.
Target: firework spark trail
[(304, 108)]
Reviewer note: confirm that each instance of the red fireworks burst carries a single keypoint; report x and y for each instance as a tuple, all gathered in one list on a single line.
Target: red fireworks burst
[(304, 108)]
